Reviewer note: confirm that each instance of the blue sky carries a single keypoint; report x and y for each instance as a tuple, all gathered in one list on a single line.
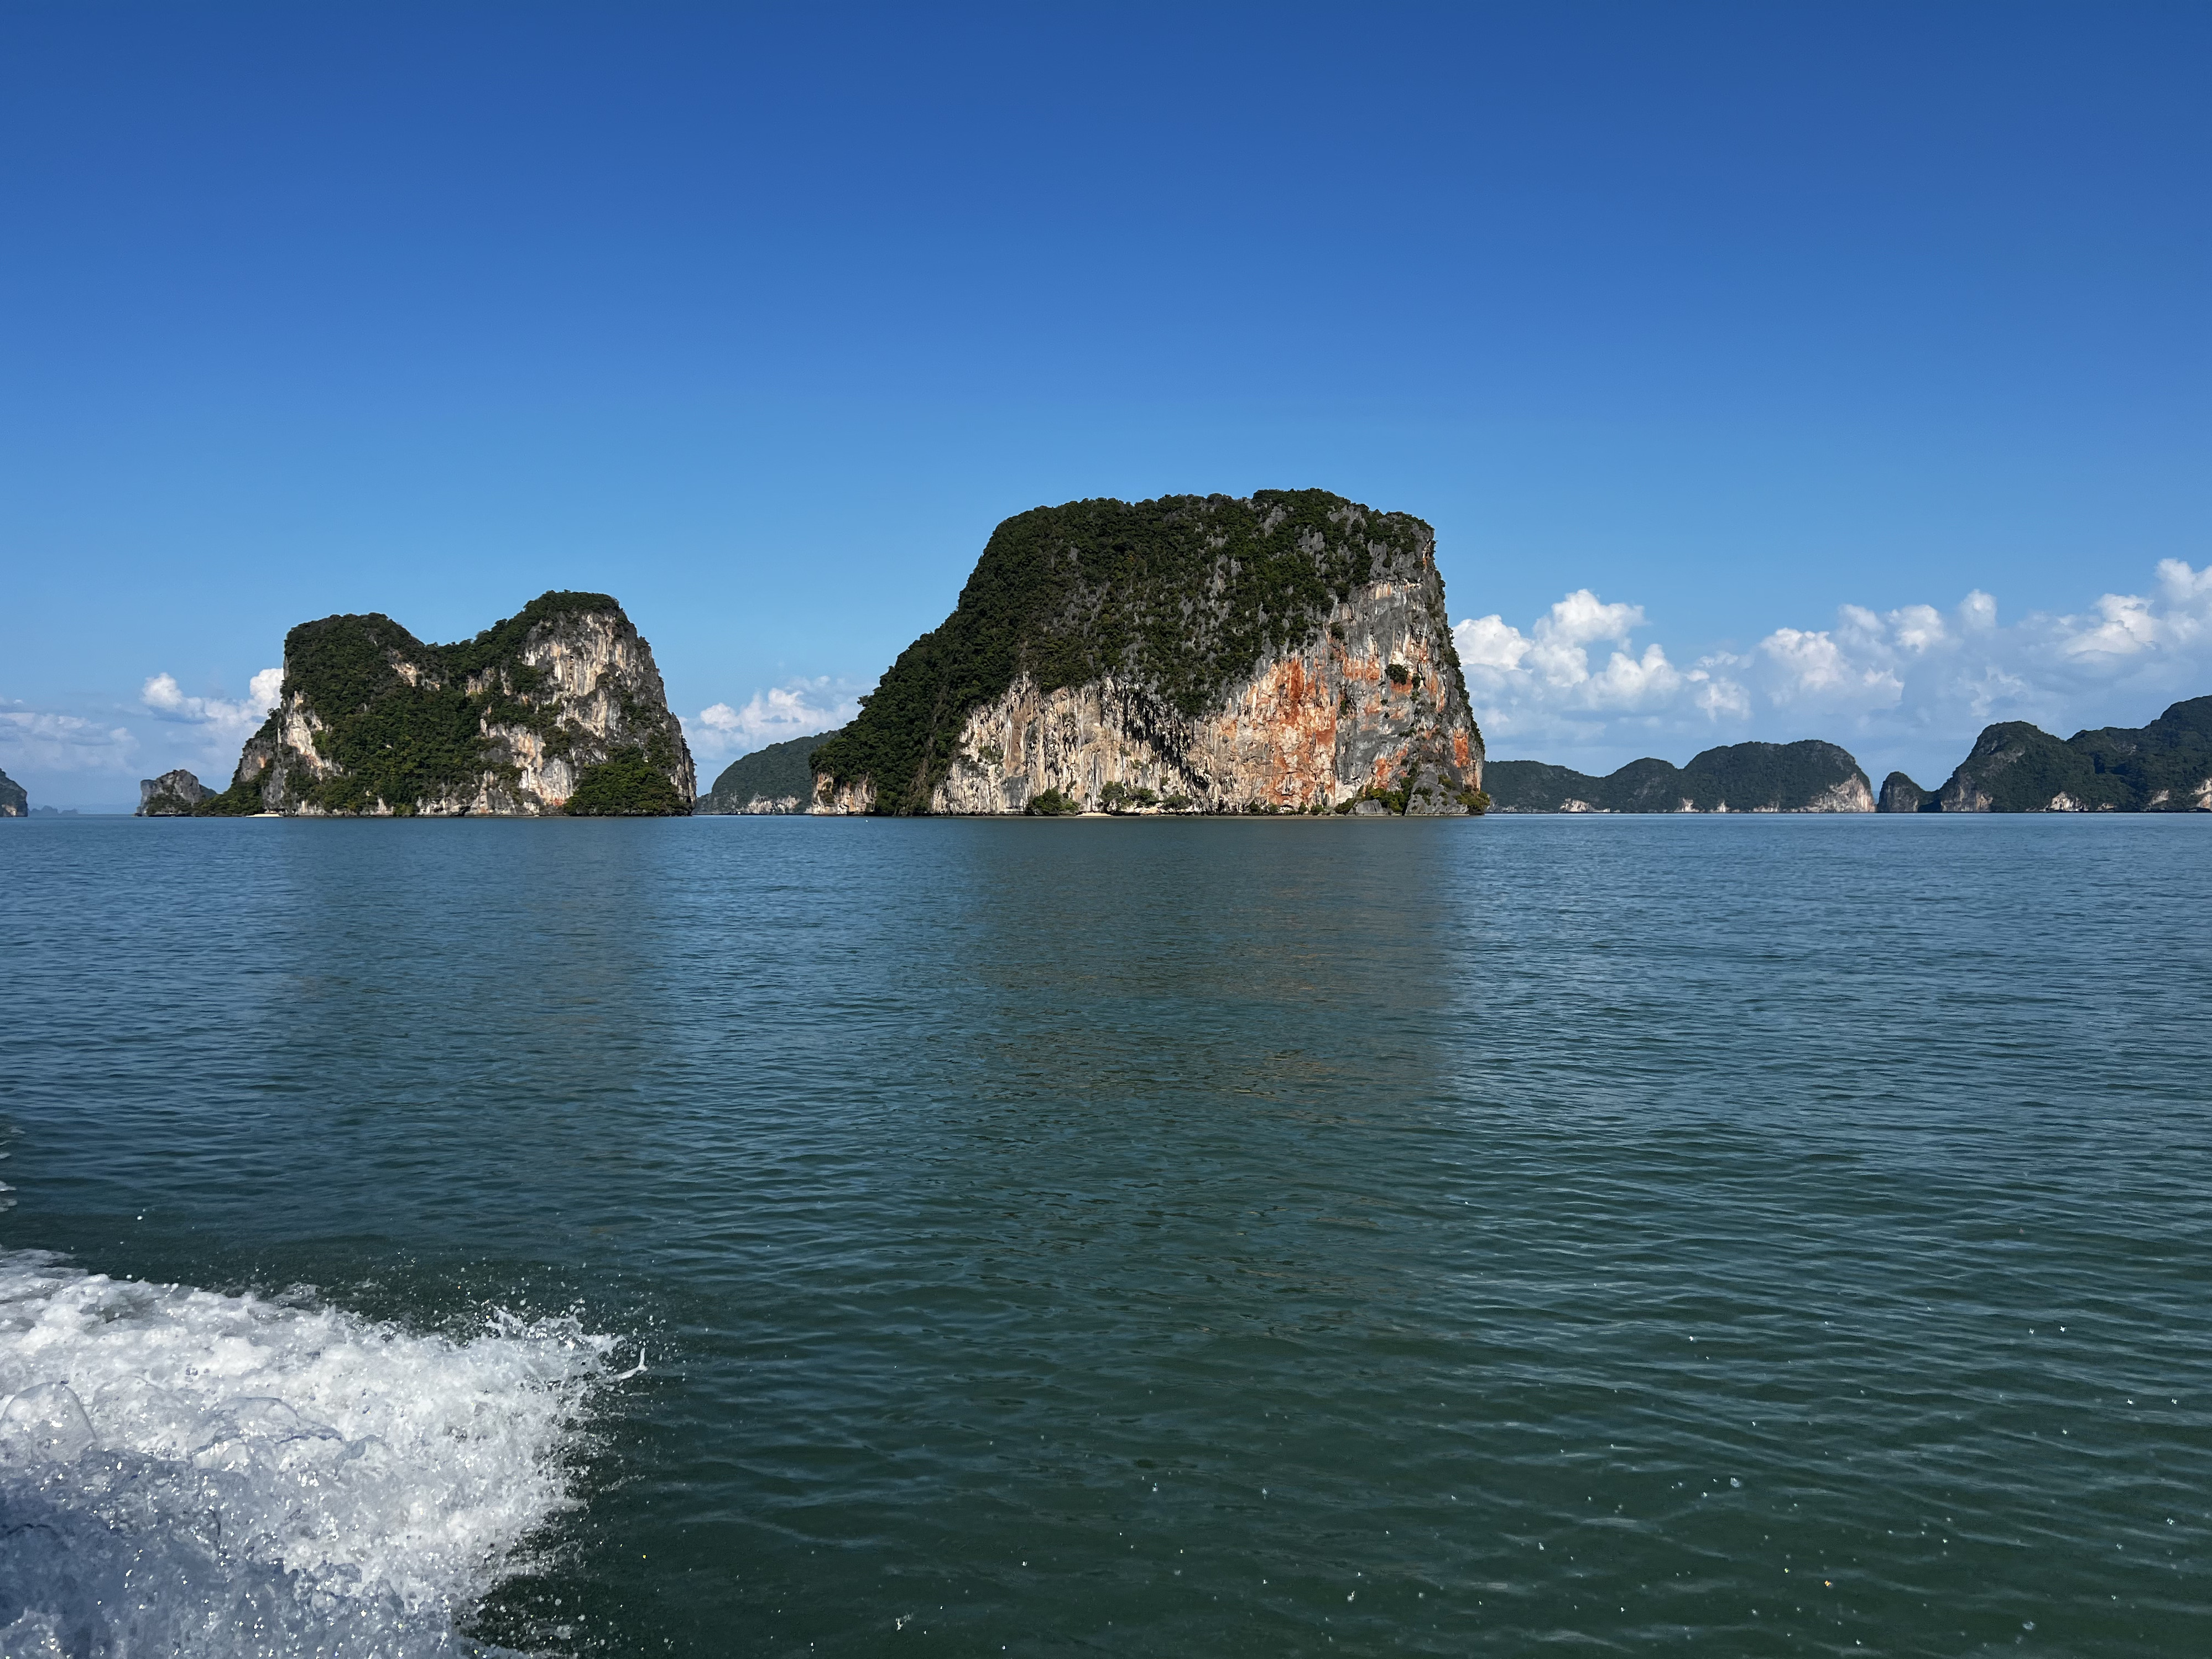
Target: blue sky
[(1770, 332)]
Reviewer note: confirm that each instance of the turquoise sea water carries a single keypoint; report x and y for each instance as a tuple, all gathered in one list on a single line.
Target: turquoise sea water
[(1743, 1235)]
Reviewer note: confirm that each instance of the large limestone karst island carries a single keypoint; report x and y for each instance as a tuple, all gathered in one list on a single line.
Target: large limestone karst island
[(557, 710), (13, 802), (1285, 652)]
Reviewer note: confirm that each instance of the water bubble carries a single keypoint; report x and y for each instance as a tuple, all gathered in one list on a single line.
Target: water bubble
[(44, 1423)]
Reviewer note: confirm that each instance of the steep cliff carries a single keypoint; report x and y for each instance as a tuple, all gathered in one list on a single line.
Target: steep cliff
[(2163, 767), (1901, 794), (14, 803), (557, 709), (777, 779), (1286, 653), (1743, 777), (175, 794)]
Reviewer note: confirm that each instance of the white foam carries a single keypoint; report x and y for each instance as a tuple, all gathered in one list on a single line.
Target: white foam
[(186, 1472)]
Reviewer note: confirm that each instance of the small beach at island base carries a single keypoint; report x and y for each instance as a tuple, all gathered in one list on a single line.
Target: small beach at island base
[(1748, 1234)]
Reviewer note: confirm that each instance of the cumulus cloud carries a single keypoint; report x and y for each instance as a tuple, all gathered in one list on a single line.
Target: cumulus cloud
[(1552, 662), (166, 700), (1910, 683), (1554, 655), (797, 709)]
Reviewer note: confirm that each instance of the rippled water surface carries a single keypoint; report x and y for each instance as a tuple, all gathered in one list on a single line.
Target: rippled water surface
[(1740, 1236)]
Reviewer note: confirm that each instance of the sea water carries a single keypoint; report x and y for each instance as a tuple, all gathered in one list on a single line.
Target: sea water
[(1739, 1235)]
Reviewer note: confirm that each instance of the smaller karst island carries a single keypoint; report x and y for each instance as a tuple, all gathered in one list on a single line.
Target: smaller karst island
[(1286, 653), (558, 709)]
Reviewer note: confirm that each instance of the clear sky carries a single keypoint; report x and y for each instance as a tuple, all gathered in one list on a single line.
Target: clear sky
[(1851, 359)]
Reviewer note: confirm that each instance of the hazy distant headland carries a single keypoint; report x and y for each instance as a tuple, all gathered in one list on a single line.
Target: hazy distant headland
[(1745, 777)]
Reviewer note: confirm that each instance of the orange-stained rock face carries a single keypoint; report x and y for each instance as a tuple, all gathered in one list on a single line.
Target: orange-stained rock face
[(1316, 721), (1306, 730)]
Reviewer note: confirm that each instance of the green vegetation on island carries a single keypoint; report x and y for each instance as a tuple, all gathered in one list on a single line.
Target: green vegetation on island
[(15, 802), (404, 726), (1182, 596), (628, 784), (766, 779), (2015, 767), (1810, 776)]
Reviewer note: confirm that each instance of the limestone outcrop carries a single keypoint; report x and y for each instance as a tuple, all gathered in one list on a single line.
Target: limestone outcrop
[(558, 709), (15, 801), (1286, 653), (175, 794), (1901, 794)]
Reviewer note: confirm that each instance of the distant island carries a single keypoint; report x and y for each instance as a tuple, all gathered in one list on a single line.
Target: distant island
[(556, 710), (779, 778), (13, 802), (1287, 652), (1744, 777), (2164, 767)]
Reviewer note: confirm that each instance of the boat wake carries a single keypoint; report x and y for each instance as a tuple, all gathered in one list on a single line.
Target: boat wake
[(187, 1473)]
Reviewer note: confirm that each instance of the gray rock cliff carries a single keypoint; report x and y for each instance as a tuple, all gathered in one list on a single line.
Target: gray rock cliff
[(175, 794), (558, 709), (1901, 794)]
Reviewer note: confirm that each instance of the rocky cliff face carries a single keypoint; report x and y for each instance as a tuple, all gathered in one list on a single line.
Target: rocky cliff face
[(175, 794), (1287, 653), (14, 803), (1810, 776), (1901, 794), (558, 709)]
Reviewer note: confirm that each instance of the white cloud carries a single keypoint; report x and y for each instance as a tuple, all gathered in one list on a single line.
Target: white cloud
[(1809, 666), (1916, 683), (1581, 617), (1554, 653), (797, 709), (1920, 627), (1551, 662), (1490, 642), (34, 740), (166, 700)]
